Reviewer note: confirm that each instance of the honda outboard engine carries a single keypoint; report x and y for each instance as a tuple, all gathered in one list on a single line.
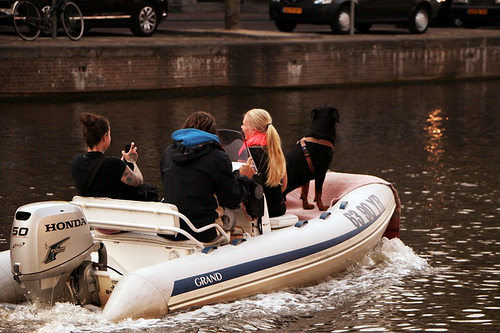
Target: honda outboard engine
[(50, 251)]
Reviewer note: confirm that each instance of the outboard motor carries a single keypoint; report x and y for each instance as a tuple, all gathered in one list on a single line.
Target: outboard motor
[(50, 251)]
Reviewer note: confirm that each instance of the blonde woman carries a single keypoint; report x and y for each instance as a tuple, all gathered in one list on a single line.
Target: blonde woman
[(265, 146)]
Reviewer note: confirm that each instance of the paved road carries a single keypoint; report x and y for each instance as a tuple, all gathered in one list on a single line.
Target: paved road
[(254, 25)]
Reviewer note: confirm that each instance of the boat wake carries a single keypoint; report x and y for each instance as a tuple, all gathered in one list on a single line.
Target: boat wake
[(382, 270)]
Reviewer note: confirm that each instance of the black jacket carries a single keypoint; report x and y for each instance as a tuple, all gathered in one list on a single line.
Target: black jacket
[(274, 197), (107, 181), (197, 179)]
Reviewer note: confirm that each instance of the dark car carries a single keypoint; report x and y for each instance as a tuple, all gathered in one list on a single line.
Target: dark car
[(142, 16), (444, 18), (473, 13), (416, 14)]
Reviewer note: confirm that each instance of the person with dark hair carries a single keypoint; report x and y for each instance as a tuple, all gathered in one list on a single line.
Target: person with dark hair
[(201, 120), (197, 175), (99, 176)]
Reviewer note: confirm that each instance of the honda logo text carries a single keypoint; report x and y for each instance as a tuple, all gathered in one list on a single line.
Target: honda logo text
[(64, 225)]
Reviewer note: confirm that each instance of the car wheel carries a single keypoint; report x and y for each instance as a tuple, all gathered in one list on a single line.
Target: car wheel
[(342, 21), (457, 22), (145, 20), (419, 21), (285, 26), (363, 27)]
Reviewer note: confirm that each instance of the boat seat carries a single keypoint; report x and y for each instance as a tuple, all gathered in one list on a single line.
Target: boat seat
[(111, 216), (109, 211), (283, 221)]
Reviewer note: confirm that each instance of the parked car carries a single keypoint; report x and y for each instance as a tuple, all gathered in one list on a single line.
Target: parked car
[(142, 16), (473, 13), (416, 14), (444, 17)]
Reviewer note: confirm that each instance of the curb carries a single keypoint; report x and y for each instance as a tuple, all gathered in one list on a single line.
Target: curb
[(242, 33)]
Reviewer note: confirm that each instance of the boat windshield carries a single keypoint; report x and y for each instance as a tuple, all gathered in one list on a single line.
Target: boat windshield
[(233, 141)]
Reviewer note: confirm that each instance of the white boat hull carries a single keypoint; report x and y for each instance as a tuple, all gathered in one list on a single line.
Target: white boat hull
[(9, 288), (289, 257)]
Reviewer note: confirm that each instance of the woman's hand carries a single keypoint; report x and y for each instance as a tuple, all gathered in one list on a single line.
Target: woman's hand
[(247, 170), (132, 155), (131, 177)]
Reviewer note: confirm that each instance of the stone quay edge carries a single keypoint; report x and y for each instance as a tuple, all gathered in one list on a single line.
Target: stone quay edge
[(218, 58)]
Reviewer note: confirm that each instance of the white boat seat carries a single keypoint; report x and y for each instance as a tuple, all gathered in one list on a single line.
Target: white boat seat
[(283, 221), (106, 210), (140, 216)]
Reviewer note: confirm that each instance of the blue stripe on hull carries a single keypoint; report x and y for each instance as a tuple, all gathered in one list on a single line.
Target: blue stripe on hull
[(226, 274)]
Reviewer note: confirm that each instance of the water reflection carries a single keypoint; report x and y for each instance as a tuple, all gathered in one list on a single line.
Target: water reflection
[(435, 130)]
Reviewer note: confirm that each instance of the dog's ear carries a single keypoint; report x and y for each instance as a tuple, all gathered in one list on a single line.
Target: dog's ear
[(314, 112), (335, 114)]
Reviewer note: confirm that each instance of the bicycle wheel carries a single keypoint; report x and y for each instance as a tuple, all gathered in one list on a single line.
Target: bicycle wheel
[(27, 20), (72, 20)]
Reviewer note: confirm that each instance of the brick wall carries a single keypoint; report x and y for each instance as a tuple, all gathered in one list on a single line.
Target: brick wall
[(54, 69)]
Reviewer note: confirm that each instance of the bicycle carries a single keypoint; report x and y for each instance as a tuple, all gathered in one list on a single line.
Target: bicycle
[(29, 23)]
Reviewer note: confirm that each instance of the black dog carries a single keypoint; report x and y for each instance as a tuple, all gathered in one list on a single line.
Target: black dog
[(312, 155)]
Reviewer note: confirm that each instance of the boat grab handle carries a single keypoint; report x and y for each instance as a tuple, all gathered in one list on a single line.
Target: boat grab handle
[(143, 228), (324, 215), (212, 225), (238, 241), (208, 249), (301, 223)]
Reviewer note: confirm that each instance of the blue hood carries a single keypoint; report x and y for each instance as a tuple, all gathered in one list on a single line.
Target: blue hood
[(191, 144), (193, 137)]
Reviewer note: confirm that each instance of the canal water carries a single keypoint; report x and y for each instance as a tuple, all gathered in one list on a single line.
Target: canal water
[(437, 143)]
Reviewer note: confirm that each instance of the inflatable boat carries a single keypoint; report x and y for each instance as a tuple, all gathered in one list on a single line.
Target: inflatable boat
[(107, 252)]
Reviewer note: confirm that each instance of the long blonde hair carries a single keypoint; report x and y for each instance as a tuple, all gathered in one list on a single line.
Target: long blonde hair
[(276, 168)]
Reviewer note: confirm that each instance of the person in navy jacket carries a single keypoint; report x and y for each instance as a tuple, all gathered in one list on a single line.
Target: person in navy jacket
[(197, 175)]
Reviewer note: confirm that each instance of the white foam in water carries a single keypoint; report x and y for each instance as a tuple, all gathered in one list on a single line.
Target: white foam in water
[(390, 262), (62, 317)]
